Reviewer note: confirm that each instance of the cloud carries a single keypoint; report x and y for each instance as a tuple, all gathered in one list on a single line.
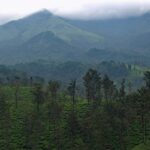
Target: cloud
[(4, 18), (80, 9), (103, 9)]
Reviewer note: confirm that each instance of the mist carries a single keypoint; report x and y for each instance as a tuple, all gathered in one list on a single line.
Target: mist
[(6, 18), (75, 9), (105, 9)]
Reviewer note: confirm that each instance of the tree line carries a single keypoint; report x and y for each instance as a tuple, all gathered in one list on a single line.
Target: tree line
[(43, 117)]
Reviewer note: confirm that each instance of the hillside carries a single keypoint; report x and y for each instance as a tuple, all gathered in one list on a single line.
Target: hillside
[(42, 21), (46, 116), (70, 70), (20, 39), (118, 32), (142, 147), (45, 45), (125, 40)]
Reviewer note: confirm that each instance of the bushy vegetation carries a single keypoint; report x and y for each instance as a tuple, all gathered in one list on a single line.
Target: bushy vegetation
[(37, 116)]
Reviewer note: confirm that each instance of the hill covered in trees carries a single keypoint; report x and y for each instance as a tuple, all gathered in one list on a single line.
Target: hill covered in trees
[(70, 70), (43, 117)]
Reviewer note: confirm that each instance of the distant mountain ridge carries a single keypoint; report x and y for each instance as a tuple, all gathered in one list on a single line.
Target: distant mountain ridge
[(46, 45), (43, 21), (45, 36), (117, 32)]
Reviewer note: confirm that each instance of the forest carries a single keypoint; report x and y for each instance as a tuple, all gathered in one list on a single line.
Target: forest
[(102, 116)]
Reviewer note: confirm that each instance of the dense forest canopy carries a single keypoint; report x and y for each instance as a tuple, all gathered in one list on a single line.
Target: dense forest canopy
[(42, 117)]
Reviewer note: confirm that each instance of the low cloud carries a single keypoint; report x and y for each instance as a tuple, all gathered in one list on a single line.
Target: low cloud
[(6, 18), (105, 9), (76, 9)]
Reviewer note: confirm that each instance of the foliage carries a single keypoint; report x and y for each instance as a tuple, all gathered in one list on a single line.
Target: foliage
[(46, 118)]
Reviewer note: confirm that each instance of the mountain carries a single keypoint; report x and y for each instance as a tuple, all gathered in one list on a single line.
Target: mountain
[(45, 36), (43, 21), (122, 34), (45, 45)]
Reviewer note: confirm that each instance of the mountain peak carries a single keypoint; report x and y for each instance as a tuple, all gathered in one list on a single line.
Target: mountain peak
[(40, 14), (43, 11)]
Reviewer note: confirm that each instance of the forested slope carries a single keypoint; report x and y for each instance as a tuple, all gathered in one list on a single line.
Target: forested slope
[(42, 117)]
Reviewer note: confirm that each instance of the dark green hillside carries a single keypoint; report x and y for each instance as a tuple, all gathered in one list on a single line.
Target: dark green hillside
[(8, 75), (142, 147), (75, 70), (41, 117), (99, 55)]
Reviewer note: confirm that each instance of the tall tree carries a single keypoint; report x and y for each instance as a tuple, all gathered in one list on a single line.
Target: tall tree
[(16, 86), (143, 108), (92, 83), (54, 112), (72, 120), (147, 79), (72, 92), (53, 87), (122, 89), (109, 88), (38, 94)]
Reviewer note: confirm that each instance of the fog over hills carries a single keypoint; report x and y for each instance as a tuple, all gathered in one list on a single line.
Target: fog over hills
[(114, 39)]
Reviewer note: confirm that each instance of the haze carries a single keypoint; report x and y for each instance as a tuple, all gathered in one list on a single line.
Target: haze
[(79, 9)]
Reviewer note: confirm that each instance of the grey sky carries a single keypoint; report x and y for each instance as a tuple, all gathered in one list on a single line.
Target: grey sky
[(81, 9)]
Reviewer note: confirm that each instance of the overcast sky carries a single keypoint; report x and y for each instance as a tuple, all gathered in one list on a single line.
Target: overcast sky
[(81, 9)]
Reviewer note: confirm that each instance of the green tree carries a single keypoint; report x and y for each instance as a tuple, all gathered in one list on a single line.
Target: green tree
[(33, 131), (122, 92), (38, 94), (143, 111), (92, 83), (54, 113), (72, 120), (109, 88), (147, 79), (72, 92), (17, 87), (5, 126)]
